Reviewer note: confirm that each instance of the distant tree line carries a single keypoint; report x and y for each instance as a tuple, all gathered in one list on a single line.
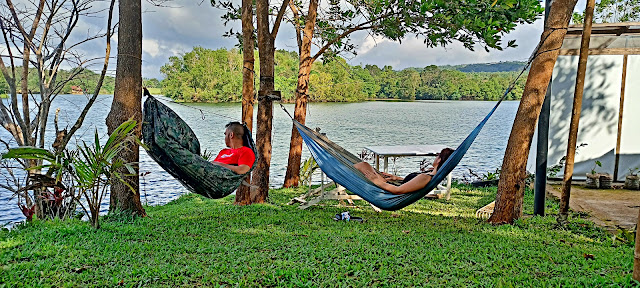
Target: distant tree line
[(205, 75), (86, 80), (506, 66)]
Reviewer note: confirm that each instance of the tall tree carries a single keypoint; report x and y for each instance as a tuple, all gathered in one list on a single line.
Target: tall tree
[(243, 194), (127, 103), (437, 22), (266, 50), (512, 181), (37, 39)]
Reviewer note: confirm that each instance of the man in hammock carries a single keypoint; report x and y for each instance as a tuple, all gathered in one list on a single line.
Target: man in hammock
[(236, 157), (411, 183)]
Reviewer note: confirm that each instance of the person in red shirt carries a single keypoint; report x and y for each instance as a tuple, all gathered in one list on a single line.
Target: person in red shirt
[(236, 157)]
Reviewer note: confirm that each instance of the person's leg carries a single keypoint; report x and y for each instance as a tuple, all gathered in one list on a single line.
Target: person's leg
[(367, 170)]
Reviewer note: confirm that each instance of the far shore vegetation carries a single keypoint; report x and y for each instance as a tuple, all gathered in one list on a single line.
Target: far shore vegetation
[(199, 242), (205, 75)]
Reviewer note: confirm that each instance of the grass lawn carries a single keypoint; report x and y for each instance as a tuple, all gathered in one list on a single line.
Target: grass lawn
[(194, 241), (155, 91)]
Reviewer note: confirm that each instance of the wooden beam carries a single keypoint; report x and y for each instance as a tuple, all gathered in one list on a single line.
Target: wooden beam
[(602, 51), (605, 25), (618, 141), (607, 28)]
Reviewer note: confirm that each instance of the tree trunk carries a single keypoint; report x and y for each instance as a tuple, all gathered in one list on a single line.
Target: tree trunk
[(243, 194), (575, 113), (511, 186), (292, 177), (127, 102), (266, 50), (636, 252)]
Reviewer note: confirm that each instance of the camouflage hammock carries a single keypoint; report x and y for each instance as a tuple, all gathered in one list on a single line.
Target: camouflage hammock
[(176, 148)]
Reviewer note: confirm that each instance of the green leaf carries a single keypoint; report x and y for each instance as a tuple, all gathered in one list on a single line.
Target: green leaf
[(26, 152)]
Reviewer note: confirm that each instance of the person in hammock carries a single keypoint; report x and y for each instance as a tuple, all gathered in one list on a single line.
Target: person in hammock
[(236, 157), (411, 183)]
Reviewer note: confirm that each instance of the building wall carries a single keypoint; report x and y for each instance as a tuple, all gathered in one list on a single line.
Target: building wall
[(598, 127)]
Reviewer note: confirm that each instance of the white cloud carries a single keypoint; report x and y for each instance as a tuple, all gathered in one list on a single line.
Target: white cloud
[(413, 53), (151, 47)]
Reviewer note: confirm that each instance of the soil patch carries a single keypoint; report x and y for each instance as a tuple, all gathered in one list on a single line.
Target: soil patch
[(608, 208)]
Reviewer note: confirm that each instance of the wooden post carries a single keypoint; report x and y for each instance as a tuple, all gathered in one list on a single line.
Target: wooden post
[(575, 115), (624, 82), (636, 255)]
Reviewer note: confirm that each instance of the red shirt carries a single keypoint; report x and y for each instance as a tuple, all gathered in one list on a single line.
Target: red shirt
[(239, 156)]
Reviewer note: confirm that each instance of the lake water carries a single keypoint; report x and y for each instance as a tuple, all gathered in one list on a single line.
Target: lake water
[(351, 125)]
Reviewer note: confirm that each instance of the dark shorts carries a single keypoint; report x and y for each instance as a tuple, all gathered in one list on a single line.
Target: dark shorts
[(411, 176)]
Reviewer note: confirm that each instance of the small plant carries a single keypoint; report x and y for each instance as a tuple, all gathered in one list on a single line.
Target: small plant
[(306, 170), (91, 167), (596, 164), (553, 171), (491, 175), (207, 155), (365, 155), (632, 181), (624, 236)]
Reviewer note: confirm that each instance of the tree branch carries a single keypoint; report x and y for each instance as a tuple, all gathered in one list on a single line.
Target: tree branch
[(296, 20), (276, 24), (80, 119), (344, 34)]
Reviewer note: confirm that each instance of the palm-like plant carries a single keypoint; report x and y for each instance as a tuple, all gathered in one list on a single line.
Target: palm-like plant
[(91, 166)]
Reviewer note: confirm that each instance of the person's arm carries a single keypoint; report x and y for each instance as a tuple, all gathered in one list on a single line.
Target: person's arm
[(391, 177), (240, 169)]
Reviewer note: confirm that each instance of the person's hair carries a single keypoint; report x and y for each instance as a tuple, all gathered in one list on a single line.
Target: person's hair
[(236, 128), (444, 155)]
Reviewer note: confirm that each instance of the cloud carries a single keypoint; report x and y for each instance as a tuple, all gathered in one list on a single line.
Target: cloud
[(171, 31), (413, 53), (151, 47)]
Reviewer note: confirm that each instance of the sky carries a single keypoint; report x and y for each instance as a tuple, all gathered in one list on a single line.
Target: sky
[(178, 26)]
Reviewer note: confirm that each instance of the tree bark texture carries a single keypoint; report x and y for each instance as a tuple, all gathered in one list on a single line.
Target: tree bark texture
[(575, 113), (512, 176), (266, 50), (127, 102), (292, 177), (243, 194)]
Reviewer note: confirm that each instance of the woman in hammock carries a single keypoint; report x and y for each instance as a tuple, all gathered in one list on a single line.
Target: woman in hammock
[(411, 183)]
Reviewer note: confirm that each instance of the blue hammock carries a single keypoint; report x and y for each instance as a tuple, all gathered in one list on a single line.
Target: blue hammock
[(337, 163)]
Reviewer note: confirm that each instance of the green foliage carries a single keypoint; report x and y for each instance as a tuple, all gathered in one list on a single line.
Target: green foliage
[(151, 83), (86, 79), (306, 170), (624, 236), (612, 11), (596, 164), (436, 22), (506, 66), (198, 242), (91, 166), (495, 175), (553, 171), (330, 81), (204, 75)]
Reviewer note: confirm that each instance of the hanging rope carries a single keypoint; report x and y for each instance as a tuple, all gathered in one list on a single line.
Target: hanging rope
[(202, 115)]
